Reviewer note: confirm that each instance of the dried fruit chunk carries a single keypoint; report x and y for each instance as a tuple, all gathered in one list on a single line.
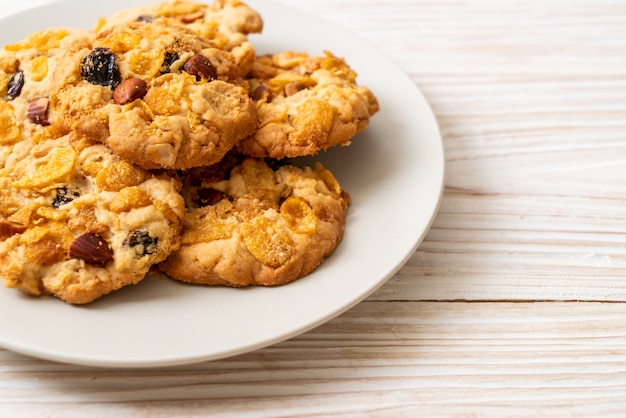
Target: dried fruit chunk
[(267, 242), (209, 196), (168, 60), (11, 132), (15, 85), (100, 68), (142, 243), (300, 217), (91, 248), (145, 18), (57, 166), (63, 197)]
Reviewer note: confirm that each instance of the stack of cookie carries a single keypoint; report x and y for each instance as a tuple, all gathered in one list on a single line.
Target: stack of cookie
[(160, 140)]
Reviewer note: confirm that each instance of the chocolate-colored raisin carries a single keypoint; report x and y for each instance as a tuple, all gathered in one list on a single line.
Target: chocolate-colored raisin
[(209, 197), (170, 58), (275, 163), (15, 85), (100, 68), (141, 242), (63, 197)]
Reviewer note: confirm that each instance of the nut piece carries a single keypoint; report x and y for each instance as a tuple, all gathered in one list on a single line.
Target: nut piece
[(38, 111), (260, 93), (192, 17), (201, 67), (91, 248), (294, 87), (8, 229), (130, 90)]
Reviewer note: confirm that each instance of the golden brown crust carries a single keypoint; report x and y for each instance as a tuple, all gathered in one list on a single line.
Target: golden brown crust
[(257, 225), (225, 23), (81, 224), (93, 123), (305, 105), (170, 100)]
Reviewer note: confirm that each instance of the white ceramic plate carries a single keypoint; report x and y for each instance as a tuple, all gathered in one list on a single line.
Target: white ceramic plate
[(394, 172)]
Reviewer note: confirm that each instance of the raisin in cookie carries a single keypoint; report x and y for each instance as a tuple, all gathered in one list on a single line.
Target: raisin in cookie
[(226, 23), (78, 225), (305, 104), (251, 223), (158, 95), (29, 73)]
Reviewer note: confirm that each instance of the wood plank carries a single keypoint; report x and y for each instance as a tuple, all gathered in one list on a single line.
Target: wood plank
[(380, 358)]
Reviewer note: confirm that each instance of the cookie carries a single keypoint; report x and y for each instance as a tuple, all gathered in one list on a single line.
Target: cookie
[(158, 95), (249, 223), (305, 104), (226, 23), (80, 224), (30, 72)]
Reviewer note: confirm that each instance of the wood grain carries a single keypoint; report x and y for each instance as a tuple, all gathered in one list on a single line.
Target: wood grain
[(392, 359), (513, 305)]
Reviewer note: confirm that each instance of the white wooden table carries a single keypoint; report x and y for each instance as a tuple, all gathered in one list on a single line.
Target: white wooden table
[(514, 303)]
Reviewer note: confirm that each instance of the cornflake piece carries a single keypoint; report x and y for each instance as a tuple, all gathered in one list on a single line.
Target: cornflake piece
[(58, 165), (267, 242)]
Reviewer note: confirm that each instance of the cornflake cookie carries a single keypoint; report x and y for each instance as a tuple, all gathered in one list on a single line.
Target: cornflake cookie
[(80, 224), (226, 23), (158, 95), (252, 223), (29, 74), (306, 104)]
